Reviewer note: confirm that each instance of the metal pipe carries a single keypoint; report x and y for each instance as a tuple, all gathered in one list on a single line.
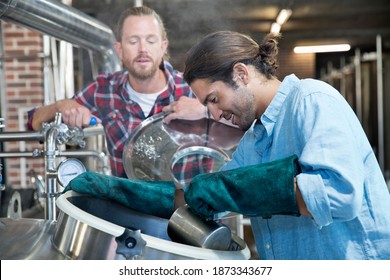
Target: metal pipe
[(65, 23), (8, 136), (82, 153), (18, 154), (50, 171), (102, 157), (381, 136), (21, 136), (3, 89), (358, 87), (93, 130)]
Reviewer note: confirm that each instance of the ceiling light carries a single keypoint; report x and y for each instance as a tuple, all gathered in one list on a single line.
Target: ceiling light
[(275, 27), (283, 16), (322, 48)]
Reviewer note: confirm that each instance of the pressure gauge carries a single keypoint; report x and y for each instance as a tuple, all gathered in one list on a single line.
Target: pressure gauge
[(68, 170)]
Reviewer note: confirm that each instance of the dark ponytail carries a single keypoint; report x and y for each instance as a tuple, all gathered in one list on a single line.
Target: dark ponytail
[(215, 55)]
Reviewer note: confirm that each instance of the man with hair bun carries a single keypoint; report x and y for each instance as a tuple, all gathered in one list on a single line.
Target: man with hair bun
[(304, 172)]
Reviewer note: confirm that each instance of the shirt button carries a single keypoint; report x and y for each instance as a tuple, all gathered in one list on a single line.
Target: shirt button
[(267, 246)]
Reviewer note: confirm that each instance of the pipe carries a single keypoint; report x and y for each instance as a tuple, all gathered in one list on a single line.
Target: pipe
[(93, 130), (21, 136), (381, 135), (102, 157), (358, 87), (65, 23), (83, 153), (9, 136), (50, 171), (20, 154)]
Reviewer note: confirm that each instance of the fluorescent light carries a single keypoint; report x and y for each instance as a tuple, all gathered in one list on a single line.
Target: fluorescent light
[(275, 27), (323, 48), (283, 16)]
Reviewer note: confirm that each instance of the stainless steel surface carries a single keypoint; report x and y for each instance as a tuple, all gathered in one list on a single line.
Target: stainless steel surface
[(87, 221), (77, 240), (186, 227), (50, 147), (66, 23), (95, 228), (14, 207), (27, 239), (155, 148)]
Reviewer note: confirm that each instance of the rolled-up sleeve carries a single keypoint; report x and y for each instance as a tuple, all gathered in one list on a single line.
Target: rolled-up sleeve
[(30, 115), (332, 178)]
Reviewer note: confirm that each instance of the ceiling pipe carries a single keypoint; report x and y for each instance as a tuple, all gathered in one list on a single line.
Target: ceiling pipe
[(65, 23)]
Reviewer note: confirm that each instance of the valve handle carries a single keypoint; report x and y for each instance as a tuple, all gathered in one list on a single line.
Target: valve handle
[(93, 121)]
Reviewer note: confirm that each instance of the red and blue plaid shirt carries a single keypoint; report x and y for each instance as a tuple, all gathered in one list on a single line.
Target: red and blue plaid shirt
[(108, 99)]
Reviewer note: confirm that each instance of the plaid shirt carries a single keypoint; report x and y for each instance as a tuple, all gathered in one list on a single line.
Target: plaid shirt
[(108, 99)]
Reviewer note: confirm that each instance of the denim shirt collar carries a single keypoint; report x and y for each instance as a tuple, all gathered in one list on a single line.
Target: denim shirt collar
[(270, 116)]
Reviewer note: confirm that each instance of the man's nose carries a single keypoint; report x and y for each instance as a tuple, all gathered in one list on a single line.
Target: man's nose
[(215, 112), (142, 46)]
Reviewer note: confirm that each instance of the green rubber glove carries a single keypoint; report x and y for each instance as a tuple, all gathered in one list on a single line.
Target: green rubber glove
[(256, 190), (151, 197)]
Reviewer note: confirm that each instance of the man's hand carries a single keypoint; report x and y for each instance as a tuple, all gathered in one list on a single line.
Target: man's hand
[(186, 109), (73, 114)]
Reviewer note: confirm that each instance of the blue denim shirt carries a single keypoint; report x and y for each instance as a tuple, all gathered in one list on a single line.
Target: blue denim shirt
[(341, 181)]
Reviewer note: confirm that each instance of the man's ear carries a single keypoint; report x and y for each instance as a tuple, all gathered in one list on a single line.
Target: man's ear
[(240, 73), (118, 49), (164, 47)]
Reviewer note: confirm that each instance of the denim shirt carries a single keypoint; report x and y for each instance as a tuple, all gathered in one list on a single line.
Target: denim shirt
[(341, 181)]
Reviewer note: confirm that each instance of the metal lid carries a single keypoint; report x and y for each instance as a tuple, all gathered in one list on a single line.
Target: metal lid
[(179, 150)]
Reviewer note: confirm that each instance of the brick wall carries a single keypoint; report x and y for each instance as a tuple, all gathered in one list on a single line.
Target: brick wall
[(24, 89)]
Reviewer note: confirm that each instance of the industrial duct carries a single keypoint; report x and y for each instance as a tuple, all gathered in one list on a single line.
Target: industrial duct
[(65, 23)]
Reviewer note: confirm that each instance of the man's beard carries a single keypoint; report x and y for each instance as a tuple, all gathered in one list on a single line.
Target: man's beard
[(142, 74), (245, 104)]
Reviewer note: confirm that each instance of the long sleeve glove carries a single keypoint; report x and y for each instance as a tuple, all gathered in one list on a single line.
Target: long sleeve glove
[(151, 197), (256, 190)]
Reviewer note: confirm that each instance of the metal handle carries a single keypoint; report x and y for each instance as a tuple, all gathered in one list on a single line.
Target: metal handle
[(130, 244)]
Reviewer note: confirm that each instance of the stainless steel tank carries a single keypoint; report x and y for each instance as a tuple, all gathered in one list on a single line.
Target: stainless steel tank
[(94, 228)]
